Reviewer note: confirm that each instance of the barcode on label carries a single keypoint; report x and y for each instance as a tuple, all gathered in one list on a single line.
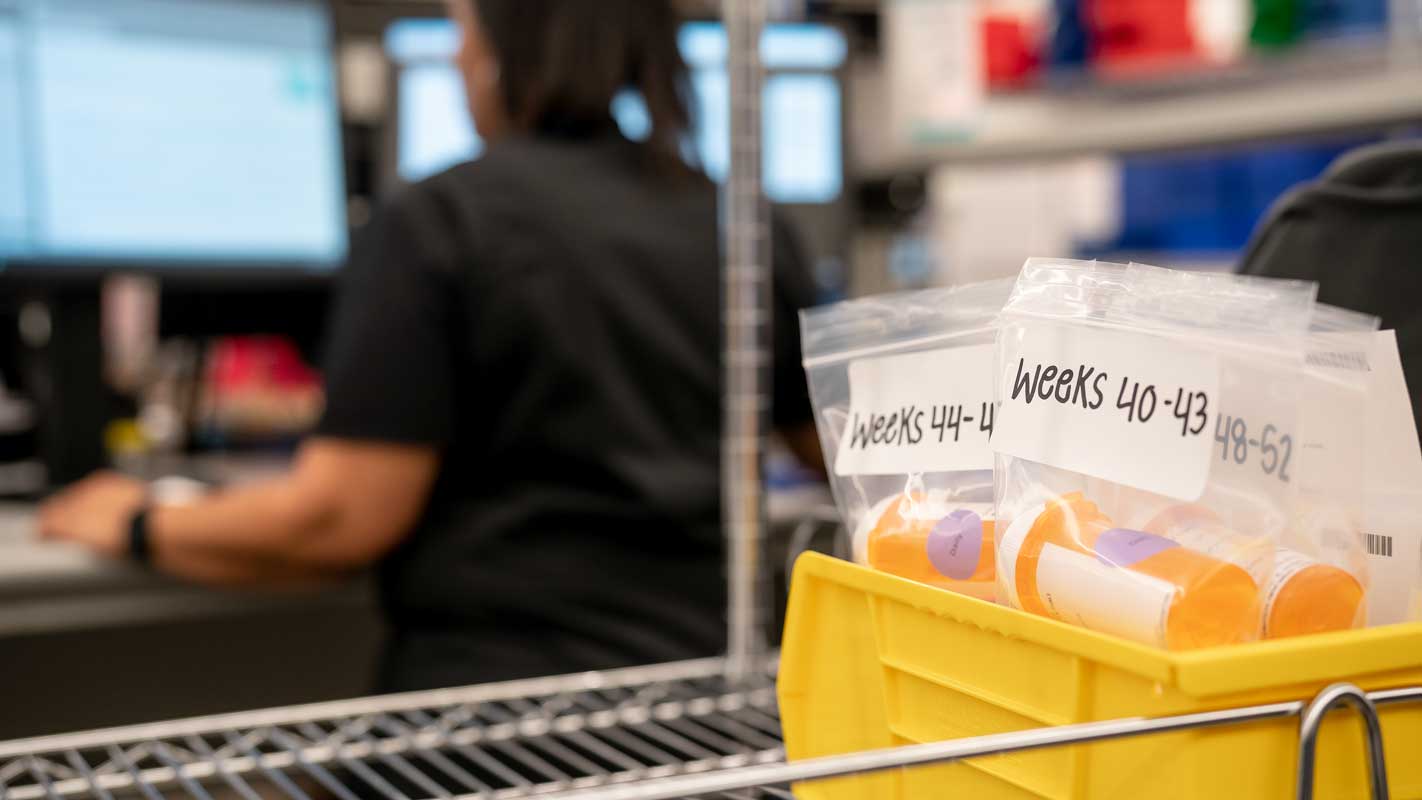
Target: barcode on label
[(1355, 362), (1378, 545)]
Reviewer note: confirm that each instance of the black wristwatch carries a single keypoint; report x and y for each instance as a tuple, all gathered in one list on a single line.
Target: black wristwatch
[(139, 548)]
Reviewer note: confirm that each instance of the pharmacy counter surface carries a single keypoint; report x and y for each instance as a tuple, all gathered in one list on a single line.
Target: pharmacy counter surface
[(48, 588), (89, 642)]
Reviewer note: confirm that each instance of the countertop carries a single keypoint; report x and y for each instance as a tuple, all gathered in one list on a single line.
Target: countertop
[(90, 642), (47, 586)]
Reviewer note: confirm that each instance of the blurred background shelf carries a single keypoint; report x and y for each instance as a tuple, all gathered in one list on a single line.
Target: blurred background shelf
[(1332, 87)]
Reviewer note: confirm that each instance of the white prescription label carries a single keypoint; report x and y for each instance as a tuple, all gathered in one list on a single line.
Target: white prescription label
[(1124, 407), (919, 412), (1080, 589)]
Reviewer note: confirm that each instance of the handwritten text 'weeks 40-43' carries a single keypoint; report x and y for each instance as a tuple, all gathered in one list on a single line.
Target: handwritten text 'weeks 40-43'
[(1088, 387), (913, 424)]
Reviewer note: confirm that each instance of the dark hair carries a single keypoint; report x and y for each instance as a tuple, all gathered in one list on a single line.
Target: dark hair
[(561, 63)]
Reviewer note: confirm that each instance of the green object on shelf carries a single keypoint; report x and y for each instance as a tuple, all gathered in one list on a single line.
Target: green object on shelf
[(1277, 23)]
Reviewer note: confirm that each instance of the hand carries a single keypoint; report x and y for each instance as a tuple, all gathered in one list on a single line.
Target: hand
[(95, 512)]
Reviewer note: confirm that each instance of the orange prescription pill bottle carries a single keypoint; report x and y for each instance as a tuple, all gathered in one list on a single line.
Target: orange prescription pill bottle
[(1066, 560), (946, 545), (1300, 594), (1305, 595)]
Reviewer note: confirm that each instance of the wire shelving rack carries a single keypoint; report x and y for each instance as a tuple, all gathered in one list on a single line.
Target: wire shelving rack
[(647, 733), (498, 741)]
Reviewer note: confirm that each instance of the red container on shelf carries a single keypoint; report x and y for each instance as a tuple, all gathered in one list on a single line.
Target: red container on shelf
[(1010, 52), (1129, 36), (259, 387)]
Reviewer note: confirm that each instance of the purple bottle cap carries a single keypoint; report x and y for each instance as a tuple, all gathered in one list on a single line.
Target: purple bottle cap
[(955, 544), (1122, 547)]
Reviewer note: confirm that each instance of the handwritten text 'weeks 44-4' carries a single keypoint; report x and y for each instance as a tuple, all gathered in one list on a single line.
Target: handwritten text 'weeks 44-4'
[(912, 424)]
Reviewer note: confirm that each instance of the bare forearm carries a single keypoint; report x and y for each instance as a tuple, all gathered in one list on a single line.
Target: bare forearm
[(342, 507), (242, 571), (241, 536)]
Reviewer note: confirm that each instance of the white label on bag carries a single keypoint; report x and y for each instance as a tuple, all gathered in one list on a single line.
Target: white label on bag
[(919, 412), (1124, 407), (1392, 477)]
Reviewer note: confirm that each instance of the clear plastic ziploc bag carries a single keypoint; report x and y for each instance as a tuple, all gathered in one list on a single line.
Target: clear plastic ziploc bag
[(1158, 477), (1304, 547), (903, 398)]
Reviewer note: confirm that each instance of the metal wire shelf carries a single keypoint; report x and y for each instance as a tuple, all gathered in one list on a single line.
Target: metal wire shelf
[(647, 733), (500, 741), (1309, 712)]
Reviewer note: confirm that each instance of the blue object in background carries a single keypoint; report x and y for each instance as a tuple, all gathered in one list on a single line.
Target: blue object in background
[(1172, 203), (1344, 17), (911, 261), (1211, 201), (1068, 45)]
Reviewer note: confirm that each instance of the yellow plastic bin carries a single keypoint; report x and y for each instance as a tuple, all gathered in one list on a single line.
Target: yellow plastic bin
[(870, 660)]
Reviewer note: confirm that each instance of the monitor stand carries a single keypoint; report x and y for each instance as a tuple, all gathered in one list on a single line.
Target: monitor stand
[(64, 375)]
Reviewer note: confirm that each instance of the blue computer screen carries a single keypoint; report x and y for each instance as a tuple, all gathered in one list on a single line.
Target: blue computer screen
[(14, 206), (802, 116), (169, 131), (433, 125)]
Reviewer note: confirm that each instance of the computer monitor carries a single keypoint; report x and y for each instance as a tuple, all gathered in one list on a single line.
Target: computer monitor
[(803, 118), (169, 133), (433, 125), (14, 207)]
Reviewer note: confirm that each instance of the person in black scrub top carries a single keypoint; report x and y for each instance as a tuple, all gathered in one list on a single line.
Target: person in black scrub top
[(523, 381)]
